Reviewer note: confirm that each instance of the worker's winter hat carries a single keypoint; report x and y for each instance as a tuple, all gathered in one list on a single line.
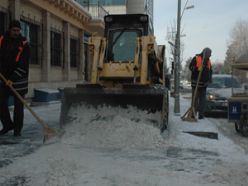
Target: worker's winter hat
[(15, 23), (207, 51)]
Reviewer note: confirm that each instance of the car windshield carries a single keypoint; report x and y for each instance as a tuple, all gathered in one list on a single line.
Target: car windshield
[(224, 82)]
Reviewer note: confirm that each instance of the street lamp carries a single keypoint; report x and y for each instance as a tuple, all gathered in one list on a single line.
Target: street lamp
[(173, 64), (177, 57)]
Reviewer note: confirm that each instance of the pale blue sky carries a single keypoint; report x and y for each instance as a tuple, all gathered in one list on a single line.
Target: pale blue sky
[(209, 23)]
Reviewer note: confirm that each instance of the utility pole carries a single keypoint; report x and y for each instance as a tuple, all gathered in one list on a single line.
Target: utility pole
[(177, 63)]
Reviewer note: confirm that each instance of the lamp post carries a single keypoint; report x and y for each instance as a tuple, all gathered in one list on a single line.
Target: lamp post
[(177, 62), (177, 57)]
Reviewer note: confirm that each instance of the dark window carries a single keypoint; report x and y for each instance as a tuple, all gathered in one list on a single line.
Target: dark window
[(232, 82), (55, 49), (111, 2), (101, 2), (74, 52), (2, 22), (30, 31), (86, 75), (84, 3)]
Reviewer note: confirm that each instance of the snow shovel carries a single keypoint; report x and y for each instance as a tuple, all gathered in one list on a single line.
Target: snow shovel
[(48, 132), (190, 115)]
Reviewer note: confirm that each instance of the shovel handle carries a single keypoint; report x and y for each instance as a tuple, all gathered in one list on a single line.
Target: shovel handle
[(44, 125), (197, 83)]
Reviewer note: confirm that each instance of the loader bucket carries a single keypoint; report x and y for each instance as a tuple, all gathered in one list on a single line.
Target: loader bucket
[(146, 98)]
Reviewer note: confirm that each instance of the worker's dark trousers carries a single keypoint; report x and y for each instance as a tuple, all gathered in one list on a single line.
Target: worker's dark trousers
[(200, 100), (5, 117)]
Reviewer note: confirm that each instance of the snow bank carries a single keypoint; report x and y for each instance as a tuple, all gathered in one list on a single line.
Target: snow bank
[(113, 127)]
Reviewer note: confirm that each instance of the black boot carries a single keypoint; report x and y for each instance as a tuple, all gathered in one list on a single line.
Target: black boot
[(17, 133), (6, 130)]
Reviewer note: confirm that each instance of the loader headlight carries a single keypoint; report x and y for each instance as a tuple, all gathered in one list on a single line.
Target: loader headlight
[(143, 18), (108, 19)]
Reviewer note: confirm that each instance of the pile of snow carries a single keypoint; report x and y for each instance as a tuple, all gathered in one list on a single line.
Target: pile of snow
[(113, 127)]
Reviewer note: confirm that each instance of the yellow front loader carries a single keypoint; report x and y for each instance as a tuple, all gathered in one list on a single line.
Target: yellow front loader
[(126, 68)]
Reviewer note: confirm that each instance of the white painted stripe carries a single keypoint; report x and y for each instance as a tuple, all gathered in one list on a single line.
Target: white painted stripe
[(21, 88), (18, 73), (23, 71), (20, 82)]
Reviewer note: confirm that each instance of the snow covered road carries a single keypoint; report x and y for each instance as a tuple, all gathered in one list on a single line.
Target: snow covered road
[(117, 147)]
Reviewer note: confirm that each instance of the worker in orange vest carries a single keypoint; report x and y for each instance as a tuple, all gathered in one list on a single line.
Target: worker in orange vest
[(201, 65), (14, 65)]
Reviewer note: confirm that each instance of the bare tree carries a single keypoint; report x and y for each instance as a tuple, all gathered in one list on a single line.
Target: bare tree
[(240, 37), (171, 37), (217, 68), (231, 57), (238, 44), (186, 73)]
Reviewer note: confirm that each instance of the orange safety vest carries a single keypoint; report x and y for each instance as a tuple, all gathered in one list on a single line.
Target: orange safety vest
[(19, 48), (199, 63), (1, 40)]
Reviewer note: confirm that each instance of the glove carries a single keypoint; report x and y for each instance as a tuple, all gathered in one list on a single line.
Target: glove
[(9, 83)]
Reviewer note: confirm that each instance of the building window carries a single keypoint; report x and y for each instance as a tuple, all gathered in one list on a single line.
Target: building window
[(111, 2), (2, 22), (87, 3), (30, 31), (74, 54), (84, 3), (56, 47)]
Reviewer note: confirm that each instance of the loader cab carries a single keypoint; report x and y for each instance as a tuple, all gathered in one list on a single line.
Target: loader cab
[(122, 32)]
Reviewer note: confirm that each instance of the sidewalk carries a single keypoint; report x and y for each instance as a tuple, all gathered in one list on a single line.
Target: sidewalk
[(133, 152), (32, 134)]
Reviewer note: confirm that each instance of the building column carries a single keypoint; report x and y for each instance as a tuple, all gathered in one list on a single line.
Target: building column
[(46, 45), (81, 60), (66, 30), (14, 6)]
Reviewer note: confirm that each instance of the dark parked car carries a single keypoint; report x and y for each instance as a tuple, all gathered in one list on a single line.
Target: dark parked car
[(218, 93)]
